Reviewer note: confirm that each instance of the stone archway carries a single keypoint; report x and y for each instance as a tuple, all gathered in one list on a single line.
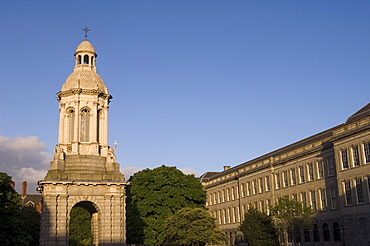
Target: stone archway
[(93, 210)]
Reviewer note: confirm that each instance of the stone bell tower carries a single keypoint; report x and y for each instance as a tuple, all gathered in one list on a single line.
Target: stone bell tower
[(84, 172)]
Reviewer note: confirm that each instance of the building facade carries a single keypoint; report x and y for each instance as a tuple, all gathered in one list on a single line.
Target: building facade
[(84, 172), (329, 171)]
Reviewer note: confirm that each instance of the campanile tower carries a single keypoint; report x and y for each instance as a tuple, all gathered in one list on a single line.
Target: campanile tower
[(84, 172)]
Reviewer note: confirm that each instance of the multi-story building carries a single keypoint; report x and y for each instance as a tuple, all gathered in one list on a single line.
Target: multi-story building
[(329, 171)]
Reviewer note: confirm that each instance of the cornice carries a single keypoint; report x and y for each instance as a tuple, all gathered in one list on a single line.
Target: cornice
[(83, 91)]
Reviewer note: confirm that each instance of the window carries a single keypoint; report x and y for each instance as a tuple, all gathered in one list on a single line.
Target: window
[(316, 233), (304, 198), (79, 59), (313, 200), (331, 168), (243, 189), (224, 216), (310, 171), (277, 181), (262, 206), (336, 229), (301, 174), (333, 193), (293, 176), (320, 169), (367, 152), (267, 183), (232, 193), (71, 124), (356, 156), (326, 232), (219, 217), (347, 192), (228, 215), (285, 178), (223, 195), (85, 120), (295, 197), (324, 204), (215, 198), (254, 186), (307, 237), (210, 199), (360, 194), (234, 215), (344, 156), (248, 188), (219, 197), (227, 194), (268, 206), (260, 185)]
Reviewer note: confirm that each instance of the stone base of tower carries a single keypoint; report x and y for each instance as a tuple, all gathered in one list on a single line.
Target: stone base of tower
[(105, 200)]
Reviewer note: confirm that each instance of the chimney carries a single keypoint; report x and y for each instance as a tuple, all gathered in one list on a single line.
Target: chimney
[(24, 188), (226, 168)]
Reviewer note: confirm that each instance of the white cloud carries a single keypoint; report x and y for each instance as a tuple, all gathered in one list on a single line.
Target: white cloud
[(190, 171), (24, 159), (129, 171)]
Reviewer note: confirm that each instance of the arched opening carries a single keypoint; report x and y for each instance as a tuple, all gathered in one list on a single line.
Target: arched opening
[(326, 232), (86, 59), (79, 59), (83, 225), (71, 124), (337, 234), (92, 61), (316, 233), (85, 121)]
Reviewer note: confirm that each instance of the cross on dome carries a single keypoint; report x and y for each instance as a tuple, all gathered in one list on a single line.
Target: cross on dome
[(86, 30)]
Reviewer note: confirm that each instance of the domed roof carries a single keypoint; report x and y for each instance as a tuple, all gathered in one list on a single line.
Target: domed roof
[(85, 46), (84, 79)]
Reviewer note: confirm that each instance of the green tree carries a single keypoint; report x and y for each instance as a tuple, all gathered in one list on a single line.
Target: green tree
[(258, 229), (12, 226), (79, 227), (192, 226), (290, 216), (31, 219), (156, 195)]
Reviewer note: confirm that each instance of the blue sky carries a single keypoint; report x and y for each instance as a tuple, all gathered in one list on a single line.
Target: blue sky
[(195, 84)]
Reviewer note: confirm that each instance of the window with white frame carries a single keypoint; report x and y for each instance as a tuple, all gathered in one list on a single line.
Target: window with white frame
[(242, 187), (320, 169), (293, 176), (285, 178), (267, 183), (355, 156), (304, 198), (334, 195), (277, 181), (324, 204), (313, 200), (367, 151), (344, 156), (301, 174), (310, 171), (348, 192), (331, 167), (248, 188), (359, 191), (260, 185), (254, 186)]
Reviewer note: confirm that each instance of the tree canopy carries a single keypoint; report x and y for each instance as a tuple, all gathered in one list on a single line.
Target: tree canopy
[(290, 216), (192, 226), (12, 226), (258, 229), (155, 195)]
